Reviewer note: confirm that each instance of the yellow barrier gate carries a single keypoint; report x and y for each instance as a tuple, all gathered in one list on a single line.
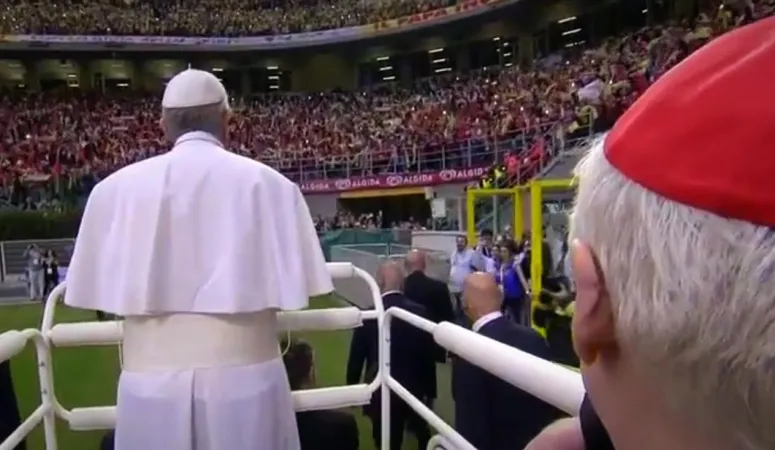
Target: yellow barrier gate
[(537, 189), (518, 225)]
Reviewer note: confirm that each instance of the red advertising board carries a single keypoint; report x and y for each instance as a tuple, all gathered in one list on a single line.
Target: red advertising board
[(461, 7), (389, 181)]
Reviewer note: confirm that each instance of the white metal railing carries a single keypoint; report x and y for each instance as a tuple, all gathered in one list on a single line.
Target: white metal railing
[(561, 387)]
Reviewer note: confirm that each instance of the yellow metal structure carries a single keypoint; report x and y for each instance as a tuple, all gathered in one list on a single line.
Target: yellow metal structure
[(472, 194), (537, 189)]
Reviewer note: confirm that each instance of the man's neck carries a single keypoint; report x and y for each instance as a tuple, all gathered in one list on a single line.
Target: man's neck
[(655, 429), (484, 318)]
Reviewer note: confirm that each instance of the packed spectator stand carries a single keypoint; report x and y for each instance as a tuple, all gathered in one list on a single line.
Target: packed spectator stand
[(55, 146), (231, 18)]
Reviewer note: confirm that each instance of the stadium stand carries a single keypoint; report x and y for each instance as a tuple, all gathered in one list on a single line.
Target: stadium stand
[(72, 139), (233, 17)]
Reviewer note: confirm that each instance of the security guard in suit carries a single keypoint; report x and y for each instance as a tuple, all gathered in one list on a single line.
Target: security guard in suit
[(490, 413), (9, 411), (434, 296), (411, 357)]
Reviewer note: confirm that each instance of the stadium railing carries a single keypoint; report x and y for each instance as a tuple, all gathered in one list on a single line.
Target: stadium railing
[(464, 153), (556, 385)]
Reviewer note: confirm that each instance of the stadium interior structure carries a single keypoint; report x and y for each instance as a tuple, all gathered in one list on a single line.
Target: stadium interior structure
[(551, 382)]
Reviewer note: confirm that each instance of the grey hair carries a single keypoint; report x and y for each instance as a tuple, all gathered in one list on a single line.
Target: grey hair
[(207, 118), (694, 300)]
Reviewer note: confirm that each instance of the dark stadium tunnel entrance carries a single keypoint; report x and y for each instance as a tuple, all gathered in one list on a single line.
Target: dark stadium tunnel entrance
[(397, 205)]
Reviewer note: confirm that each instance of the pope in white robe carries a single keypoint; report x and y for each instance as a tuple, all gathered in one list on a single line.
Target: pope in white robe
[(198, 249)]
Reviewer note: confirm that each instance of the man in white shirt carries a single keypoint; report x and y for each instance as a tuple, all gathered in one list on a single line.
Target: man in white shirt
[(194, 248), (483, 257), (461, 265)]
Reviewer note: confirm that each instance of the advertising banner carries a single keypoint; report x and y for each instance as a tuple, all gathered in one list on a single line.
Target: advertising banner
[(388, 181), (309, 37)]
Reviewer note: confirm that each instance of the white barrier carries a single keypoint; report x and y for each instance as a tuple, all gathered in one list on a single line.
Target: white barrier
[(556, 385)]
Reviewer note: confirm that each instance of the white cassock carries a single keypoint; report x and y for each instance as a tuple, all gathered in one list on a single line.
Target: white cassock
[(198, 249)]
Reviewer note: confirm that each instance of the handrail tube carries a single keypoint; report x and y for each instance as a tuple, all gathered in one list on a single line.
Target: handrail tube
[(11, 344), (19, 434), (94, 417), (548, 381), (438, 442), (81, 418), (389, 383), (458, 441), (111, 332)]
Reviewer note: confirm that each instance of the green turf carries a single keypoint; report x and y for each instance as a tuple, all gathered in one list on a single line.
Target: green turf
[(87, 376)]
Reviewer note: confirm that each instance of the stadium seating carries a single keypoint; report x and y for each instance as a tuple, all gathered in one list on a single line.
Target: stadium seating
[(453, 121), (201, 18)]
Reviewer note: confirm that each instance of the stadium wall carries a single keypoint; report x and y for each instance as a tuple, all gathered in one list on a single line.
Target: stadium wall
[(322, 205)]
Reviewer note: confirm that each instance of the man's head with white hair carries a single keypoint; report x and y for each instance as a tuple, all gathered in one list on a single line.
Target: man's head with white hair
[(673, 254), (195, 100)]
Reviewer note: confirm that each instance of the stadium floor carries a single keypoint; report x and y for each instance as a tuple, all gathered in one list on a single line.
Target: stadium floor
[(87, 376)]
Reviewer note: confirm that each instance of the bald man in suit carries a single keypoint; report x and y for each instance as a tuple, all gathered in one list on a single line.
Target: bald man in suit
[(411, 361), (490, 413), (434, 296)]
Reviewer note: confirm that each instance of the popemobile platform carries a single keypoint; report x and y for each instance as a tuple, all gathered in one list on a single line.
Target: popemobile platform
[(550, 382)]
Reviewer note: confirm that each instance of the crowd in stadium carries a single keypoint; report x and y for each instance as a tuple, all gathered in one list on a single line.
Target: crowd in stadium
[(204, 18), (79, 137)]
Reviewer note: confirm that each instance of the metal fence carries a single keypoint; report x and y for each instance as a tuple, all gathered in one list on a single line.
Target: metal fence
[(369, 257), (14, 263), (366, 256)]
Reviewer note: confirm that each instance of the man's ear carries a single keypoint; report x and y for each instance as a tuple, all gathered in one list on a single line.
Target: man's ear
[(594, 332)]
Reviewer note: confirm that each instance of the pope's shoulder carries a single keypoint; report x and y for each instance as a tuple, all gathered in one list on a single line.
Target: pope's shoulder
[(257, 173)]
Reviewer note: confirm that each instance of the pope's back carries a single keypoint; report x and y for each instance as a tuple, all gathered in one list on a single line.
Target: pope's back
[(198, 248)]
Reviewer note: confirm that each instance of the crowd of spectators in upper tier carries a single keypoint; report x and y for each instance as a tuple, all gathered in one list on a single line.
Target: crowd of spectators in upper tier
[(200, 18), (75, 137)]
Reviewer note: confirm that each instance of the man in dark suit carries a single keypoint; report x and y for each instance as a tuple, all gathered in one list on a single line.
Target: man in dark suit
[(411, 361), (318, 430), (9, 411), (434, 296), (490, 413)]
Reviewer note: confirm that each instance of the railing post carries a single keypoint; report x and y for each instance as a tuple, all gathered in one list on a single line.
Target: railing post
[(443, 157), (384, 363), (3, 268), (468, 152)]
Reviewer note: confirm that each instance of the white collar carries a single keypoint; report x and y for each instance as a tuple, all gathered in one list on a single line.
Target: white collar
[(484, 320), (385, 294), (198, 136)]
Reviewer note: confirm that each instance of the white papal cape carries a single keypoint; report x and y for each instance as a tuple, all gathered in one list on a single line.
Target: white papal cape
[(198, 248)]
